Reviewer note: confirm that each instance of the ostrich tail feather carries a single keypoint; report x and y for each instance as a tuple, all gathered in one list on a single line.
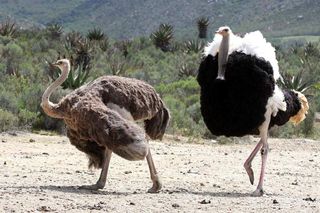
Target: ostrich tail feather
[(156, 126), (301, 115)]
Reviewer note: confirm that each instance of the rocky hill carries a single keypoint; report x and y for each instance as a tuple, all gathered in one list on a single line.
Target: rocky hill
[(125, 19)]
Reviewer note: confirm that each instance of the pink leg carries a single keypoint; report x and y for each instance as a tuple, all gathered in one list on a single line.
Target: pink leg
[(247, 164), (264, 152)]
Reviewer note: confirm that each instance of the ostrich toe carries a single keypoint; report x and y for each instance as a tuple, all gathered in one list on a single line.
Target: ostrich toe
[(250, 173), (157, 185), (258, 193), (96, 186)]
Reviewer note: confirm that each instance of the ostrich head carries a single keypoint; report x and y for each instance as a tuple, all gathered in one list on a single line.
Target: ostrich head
[(62, 64), (49, 107), (224, 31)]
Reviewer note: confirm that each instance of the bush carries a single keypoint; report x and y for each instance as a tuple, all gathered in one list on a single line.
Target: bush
[(7, 120), (26, 118), (8, 102)]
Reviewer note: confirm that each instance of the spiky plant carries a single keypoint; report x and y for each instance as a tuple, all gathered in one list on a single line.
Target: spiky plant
[(203, 23), (72, 40), (297, 82), (80, 46), (8, 28), (124, 46), (193, 46), (54, 30), (83, 52), (311, 50), (162, 37), (79, 50), (78, 75), (104, 44), (96, 34), (186, 70)]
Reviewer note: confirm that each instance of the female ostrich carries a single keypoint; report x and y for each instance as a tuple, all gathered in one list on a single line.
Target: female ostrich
[(239, 95), (100, 119)]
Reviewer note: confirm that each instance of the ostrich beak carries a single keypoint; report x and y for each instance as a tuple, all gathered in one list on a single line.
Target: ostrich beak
[(218, 32), (53, 64), (47, 62)]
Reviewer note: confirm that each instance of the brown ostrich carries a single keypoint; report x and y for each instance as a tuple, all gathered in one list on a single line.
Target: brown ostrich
[(100, 118)]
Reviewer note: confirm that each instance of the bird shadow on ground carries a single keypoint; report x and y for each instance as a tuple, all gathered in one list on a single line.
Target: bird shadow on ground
[(213, 194), (69, 189), (76, 190)]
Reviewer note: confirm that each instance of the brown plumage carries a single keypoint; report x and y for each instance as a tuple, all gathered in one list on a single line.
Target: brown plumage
[(101, 118)]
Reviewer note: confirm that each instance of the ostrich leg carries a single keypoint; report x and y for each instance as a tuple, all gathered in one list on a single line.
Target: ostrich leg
[(264, 152), (156, 186), (247, 164), (103, 175)]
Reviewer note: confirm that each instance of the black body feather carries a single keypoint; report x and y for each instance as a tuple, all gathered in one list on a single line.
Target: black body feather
[(235, 106), (293, 107)]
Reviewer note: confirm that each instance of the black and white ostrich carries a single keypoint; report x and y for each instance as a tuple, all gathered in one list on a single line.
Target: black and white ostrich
[(239, 95)]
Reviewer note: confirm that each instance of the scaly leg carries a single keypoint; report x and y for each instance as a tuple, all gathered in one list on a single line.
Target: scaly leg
[(103, 175), (247, 164), (264, 152), (156, 186)]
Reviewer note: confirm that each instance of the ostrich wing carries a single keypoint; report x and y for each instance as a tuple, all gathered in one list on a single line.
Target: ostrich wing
[(95, 123)]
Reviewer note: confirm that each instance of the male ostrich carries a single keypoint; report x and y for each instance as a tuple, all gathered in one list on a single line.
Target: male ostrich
[(239, 95), (100, 119)]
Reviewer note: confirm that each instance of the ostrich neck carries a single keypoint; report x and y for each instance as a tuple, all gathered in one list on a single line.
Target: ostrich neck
[(223, 56), (50, 108)]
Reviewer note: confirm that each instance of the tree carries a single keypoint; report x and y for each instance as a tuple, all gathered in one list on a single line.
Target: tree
[(203, 23), (8, 28), (54, 30), (162, 37)]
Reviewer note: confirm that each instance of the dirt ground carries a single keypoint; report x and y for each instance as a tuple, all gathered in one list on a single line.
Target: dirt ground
[(41, 174)]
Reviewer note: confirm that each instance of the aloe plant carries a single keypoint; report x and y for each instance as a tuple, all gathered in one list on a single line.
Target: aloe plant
[(162, 37), (104, 44), (203, 23), (96, 34), (298, 82), (78, 75), (124, 46), (193, 46), (79, 50), (8, 28), (72, 40), (54, 30), (186, 70)]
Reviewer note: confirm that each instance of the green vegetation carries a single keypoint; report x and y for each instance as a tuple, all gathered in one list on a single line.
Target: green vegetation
[(171, 69), (162, 37), (203, 24)]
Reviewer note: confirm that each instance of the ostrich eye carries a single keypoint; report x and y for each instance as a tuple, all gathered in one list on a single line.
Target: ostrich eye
[(226, 30)]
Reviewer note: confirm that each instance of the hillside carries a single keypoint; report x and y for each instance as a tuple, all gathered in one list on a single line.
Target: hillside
[(126, 19)]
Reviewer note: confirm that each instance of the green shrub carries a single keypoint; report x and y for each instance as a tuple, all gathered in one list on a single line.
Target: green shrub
[(7, 120), (26, 118), (8, 102)]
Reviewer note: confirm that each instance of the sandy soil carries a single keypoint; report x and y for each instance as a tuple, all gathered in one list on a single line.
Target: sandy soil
[(41, 174)]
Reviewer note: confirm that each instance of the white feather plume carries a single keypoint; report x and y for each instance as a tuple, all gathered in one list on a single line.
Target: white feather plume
[(252, 43)]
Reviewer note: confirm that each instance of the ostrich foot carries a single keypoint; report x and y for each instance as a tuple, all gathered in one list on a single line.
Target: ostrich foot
[(258, 193), (250, 173), (157, 185), (96, 186)]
